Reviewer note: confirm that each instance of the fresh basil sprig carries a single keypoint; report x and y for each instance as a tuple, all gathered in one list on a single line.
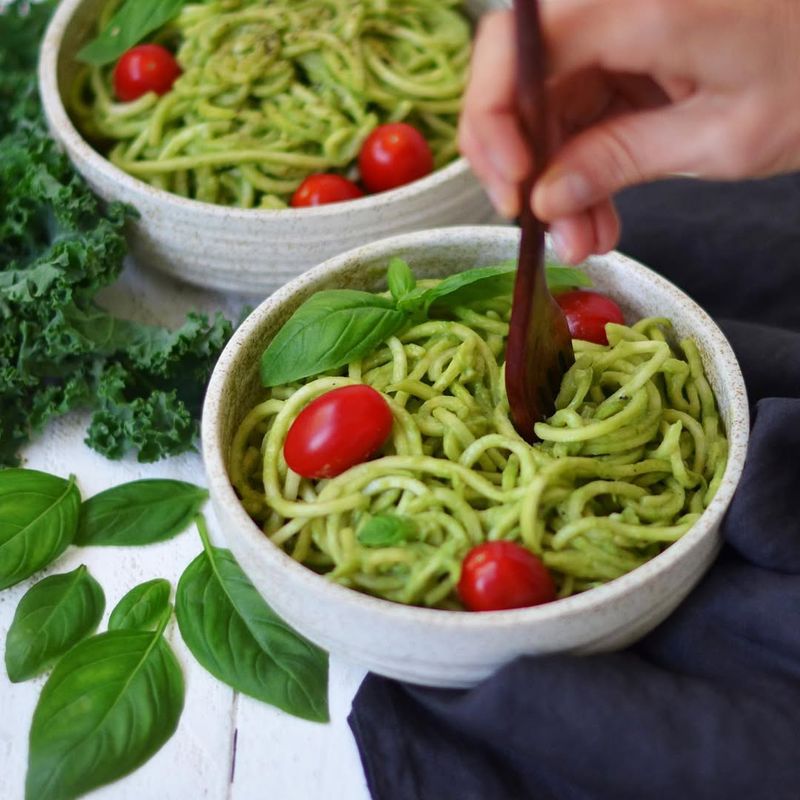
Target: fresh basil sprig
[(142, 607), (386, 530), (115, 698), (139, 512), (134, 20), (240, 640), (337, 326), (38, 520), (53, 615), (131, 695)]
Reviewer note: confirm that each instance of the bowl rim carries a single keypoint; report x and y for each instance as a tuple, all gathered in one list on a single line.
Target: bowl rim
[(65, 132), (301, 577)]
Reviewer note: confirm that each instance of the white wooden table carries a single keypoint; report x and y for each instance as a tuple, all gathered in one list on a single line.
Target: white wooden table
[(227, 746)]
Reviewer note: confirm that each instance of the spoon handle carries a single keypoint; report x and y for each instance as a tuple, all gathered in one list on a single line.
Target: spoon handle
[(530, 103), (539, 348)]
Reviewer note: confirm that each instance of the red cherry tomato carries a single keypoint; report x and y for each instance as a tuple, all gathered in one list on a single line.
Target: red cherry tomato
[(393, 155), (323, 187), (587, 314), (501, 575), (338, 430), (145, 68)]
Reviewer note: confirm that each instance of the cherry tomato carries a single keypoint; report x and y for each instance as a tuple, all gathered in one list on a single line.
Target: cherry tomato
[(324, 187), (501, 575), (587, 314), (393, 155), (145, 68), (338, 430)]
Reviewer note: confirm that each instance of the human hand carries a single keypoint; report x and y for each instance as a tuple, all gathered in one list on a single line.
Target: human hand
[(637, 90)]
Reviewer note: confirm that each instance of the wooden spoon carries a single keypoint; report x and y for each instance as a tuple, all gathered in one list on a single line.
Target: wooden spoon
[(539, 349)]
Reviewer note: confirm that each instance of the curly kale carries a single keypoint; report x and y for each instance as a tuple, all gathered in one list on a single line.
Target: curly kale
[(59, 245)]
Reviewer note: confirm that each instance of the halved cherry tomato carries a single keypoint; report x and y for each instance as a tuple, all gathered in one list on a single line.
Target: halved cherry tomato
[(502, 575), (145, 68), (338, 430), (587, 314), (393, 155), (324, 187)]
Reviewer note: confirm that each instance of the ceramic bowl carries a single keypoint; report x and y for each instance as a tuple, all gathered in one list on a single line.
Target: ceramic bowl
[(452, 648), (246, 250)]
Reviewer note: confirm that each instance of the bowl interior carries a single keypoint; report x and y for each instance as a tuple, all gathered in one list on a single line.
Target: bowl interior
[(235, 385), (76, 34), (75, 24)]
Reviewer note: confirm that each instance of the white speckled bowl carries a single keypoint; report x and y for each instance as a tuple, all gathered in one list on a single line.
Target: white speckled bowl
[(243, 250), (450, 648)]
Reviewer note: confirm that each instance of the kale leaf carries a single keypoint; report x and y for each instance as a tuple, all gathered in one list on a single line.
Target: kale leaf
[(59, 245)]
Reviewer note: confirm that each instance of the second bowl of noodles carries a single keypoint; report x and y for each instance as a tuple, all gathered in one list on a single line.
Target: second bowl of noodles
[(209, 165)]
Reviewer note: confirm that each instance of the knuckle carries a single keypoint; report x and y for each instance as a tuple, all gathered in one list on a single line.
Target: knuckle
[(618, 160), (741, 143)]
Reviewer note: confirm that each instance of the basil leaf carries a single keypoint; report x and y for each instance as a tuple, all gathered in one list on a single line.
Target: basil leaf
[(471, 286), (142, 607), (38, 518), (400, 278), (240, 640), (133, 21), (328, 331), (385, 530), (140, 512), (560, 278), (486, 282), (51, 617), (110, 704)]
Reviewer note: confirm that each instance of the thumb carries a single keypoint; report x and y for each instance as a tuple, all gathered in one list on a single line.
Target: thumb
[(629, 149)]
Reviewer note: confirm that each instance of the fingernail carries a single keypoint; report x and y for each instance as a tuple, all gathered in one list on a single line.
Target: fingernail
[(563, 193), (504, 199), (560, 244)]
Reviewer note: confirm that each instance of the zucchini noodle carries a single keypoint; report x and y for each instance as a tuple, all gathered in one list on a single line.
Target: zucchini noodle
[(627, 463), (274, 90)]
